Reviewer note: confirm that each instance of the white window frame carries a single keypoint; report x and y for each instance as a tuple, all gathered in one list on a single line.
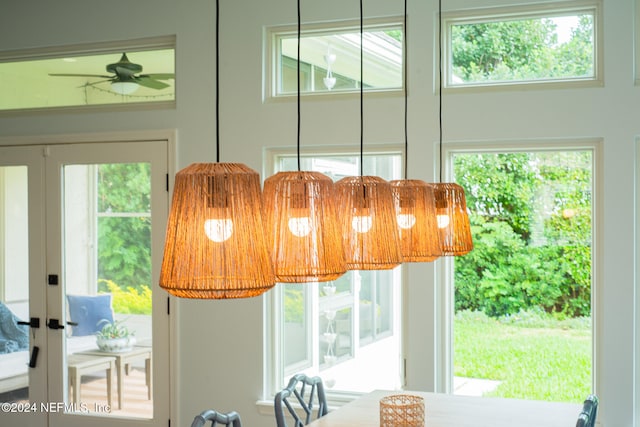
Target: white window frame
[(497, 14), (272, 51), (636, 46), (445, 298), (109, 50), (274, 372)]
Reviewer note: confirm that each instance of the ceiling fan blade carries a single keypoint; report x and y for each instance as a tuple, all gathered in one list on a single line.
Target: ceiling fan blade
[(150, 83), (98, 82), (160, 76), (80, 75)]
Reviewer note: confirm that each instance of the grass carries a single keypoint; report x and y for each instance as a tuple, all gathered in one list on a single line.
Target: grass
[(533, 355)]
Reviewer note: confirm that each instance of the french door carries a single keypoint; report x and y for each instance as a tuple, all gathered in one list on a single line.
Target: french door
[(81, 233)]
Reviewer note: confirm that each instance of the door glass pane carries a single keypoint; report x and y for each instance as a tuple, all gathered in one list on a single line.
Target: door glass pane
[(522, 324), (107, 278), (14, 284)]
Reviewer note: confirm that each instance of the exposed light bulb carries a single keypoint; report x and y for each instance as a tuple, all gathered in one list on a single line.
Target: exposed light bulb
[(406, 221), (218, 230), (362, 224), (443, 220), (300, 226)]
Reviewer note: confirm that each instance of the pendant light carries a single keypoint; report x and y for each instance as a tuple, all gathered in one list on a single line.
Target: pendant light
[(366, 210), (414, 201), (215, 245), (451, 206), (301, 222)]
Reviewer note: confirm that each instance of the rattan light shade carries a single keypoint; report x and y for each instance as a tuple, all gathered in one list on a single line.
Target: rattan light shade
[(453, 219), (215, 246), (366, 213), (415, 207), (302, 228)]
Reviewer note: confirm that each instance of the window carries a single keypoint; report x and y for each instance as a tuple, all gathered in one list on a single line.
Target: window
[(345, 329), (523, 297), (330, 59), (515, 46), (89, 76)]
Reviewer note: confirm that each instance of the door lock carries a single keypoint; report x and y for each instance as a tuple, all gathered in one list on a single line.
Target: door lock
[(54, 324)]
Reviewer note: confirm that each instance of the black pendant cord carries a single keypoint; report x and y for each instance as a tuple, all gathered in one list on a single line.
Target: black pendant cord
[(361, 97), (298, 143), (406, 103), (440, 81), (217, 81)]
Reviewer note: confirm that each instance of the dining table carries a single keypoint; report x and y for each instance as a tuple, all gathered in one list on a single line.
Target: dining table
[(448, 410)]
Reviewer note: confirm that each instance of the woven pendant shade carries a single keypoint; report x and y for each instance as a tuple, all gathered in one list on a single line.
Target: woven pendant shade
[(368, 219), (215, 246), (453, 219), (416, 220), (302, 229)]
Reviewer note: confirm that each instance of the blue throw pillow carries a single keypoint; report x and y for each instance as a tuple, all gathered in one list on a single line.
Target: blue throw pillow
[(89, 312)]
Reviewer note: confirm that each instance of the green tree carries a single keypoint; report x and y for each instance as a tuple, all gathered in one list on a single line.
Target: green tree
[(531, 224), (124, 224), (520, 49), (499, 187)]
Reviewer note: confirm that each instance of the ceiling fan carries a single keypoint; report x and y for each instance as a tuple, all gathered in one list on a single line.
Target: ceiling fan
[(125, 78)]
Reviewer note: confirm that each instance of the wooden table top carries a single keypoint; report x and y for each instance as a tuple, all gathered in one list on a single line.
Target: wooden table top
[(446, 410)]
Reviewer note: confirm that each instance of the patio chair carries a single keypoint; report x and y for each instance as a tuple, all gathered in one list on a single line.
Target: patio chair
[(297, 388)]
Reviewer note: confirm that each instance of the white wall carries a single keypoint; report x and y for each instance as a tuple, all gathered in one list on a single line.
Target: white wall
[(221, 342)]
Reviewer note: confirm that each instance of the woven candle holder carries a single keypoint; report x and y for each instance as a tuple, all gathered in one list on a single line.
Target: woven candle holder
[(402, 410)]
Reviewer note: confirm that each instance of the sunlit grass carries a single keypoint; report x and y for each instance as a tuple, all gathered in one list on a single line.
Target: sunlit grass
[(533, 355)]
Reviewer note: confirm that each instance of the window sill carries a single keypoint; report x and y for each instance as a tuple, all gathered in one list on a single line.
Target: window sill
[(334, 401)]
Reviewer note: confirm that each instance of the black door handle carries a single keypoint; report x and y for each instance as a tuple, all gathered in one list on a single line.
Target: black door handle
[(55, 324), (34, 322)]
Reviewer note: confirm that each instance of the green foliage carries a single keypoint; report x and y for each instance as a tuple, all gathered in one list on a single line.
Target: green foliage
[(129, 301), (531, 225), (396, 34), (520, 50), (293, 304), (124, 223), (499, 187), (533, 355)]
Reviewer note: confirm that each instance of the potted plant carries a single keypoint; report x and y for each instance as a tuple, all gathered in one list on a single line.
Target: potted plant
[(115, 337)]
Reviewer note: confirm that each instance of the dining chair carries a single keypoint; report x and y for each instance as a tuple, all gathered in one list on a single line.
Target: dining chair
[(587, 417), (226, 419), (301, 394)]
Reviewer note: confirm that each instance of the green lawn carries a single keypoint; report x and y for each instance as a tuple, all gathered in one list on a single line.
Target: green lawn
[(535, 356)]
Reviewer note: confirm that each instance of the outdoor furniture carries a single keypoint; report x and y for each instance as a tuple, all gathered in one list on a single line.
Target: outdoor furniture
[(79, 365), (122, 360)]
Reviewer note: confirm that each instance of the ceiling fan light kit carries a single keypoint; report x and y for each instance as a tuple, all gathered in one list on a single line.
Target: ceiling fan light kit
[(124, 88)]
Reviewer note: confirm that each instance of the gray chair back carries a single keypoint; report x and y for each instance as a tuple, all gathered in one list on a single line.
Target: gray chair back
[(226, 419), (301, 394), (587, 417)]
